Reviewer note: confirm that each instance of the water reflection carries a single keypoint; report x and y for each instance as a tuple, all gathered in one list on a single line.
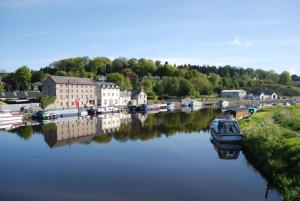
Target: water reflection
[(118, 126), (227, 151)]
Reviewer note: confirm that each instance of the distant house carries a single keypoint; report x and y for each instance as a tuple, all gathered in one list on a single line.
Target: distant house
[(186, 101), (255, 96), (240, 94), (296, 82), (261, 96), (237, 113), (138, 97), (20, 95), (272, 96)]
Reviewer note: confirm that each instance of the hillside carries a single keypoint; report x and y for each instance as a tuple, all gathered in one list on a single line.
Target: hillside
[(159, 79)]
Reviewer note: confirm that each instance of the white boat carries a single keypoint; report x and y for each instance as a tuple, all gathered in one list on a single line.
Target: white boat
[(171, 106), (83, 113), (9, 117), (226, 130)]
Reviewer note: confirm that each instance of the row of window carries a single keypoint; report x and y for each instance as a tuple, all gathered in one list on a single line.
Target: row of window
[(74, 103), (67, 91), (77, 96), (111, 101), (76, 86), (108, 94)]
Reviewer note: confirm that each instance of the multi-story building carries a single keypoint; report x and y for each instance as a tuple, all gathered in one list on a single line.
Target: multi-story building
[(74, 92), (108, 94), (70, 92)]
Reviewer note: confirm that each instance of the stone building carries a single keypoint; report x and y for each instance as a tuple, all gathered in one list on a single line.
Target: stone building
[(240, 94), (70, 92)]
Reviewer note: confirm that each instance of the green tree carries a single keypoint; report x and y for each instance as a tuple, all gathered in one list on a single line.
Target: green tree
[(100, 65), (23, 76), (285, 78), (118, 79), (2, 89)]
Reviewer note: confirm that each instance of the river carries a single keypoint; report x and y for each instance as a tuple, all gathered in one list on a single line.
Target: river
[(163, 156)]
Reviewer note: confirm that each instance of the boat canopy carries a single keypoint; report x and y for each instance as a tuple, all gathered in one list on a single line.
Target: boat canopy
[(226, 127)]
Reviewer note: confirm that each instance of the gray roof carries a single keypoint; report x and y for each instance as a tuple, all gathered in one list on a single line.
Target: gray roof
[(71, 80), (233, 91), (21, 94), (106, 84), (136, 92), (125, 93)]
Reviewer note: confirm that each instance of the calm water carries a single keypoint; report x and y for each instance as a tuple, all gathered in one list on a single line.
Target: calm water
[(165, 156)]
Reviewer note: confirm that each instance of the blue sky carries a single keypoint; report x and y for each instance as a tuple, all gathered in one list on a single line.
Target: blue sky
[(258, 33)]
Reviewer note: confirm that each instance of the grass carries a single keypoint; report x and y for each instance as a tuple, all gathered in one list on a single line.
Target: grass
[(272, 140)]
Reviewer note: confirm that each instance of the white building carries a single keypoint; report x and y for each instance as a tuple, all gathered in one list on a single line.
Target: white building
[(240, 94), (138, 97), (125, 97), (261, 96), (108, 94)]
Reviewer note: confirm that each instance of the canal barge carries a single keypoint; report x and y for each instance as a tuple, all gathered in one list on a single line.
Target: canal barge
[(226, 129)]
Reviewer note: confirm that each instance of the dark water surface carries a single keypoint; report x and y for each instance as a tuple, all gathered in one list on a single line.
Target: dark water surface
[(165, 156)]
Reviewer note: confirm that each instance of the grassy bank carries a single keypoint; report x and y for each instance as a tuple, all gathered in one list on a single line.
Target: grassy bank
[(272, 140)]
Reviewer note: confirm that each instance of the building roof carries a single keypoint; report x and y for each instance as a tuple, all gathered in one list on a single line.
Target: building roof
[(230, 91), (104, 84), (136, 92), (71, 80), (20, 94), (125, 93)]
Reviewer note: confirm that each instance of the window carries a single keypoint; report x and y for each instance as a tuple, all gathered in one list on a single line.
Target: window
[(67, 96), (61, 96), (61, 91), (71, 96), (61, 103)]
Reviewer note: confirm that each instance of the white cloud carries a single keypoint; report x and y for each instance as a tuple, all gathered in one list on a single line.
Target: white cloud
[(241, 43)]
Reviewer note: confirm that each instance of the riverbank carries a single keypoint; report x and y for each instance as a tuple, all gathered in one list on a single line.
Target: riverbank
[(272, 140)]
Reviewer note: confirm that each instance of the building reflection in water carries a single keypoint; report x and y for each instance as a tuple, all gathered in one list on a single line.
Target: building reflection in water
[(227, 151), (67, 131)]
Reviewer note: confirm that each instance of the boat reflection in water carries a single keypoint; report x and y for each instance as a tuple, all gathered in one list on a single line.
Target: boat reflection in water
[(227, 151)]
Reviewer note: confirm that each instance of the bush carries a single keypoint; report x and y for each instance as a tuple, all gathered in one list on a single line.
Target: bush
[(47, 100)]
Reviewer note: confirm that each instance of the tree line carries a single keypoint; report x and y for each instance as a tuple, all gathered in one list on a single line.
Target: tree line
[(156, 78)]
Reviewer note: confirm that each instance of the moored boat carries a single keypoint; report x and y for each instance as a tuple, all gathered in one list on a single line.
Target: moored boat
[(10, 117), (226, 130), (43, 115)]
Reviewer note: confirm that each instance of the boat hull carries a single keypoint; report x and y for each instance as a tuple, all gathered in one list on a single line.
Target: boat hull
[(226, 137)]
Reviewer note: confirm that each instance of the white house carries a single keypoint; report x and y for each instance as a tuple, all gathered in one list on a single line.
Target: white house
[(108, 94), (233, 94), (261, 96), (138, 97)]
